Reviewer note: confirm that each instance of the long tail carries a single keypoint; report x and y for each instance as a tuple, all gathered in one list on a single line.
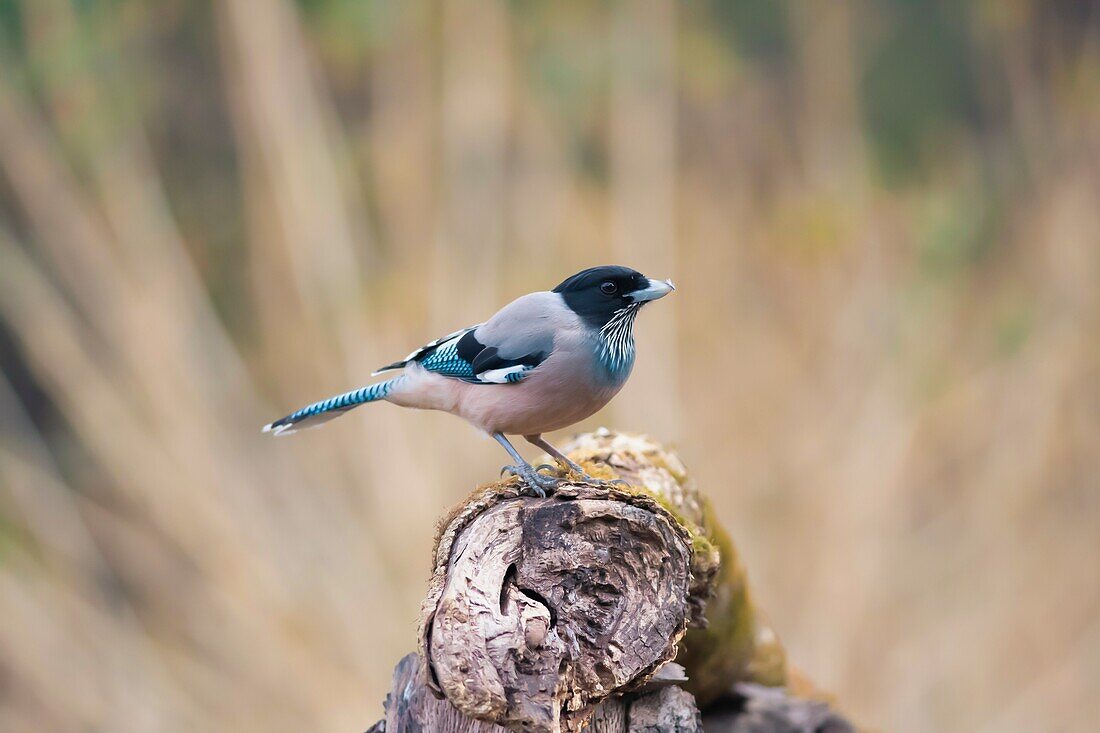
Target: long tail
[(321, 412)]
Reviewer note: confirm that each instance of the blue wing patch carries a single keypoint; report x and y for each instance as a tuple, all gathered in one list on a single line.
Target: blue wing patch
[(446, 361), (461, 356)]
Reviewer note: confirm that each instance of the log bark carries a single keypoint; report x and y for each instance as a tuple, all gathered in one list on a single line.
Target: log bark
[(553, 614)]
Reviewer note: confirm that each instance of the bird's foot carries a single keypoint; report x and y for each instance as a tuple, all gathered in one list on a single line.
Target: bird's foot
[(564, 471), (537, 482)]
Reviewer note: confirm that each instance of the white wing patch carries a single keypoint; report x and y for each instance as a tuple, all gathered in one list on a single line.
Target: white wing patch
[(505, 375)]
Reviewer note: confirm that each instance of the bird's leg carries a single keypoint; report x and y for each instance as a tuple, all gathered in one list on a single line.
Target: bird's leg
[(539, 484), (557, 455), (541, 442), (563, 459)]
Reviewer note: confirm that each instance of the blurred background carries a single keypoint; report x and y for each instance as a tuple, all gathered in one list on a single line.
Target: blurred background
[(882, 362)]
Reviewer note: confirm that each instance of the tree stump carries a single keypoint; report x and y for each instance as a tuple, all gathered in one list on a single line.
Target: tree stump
[(544, 606), (565, 612)]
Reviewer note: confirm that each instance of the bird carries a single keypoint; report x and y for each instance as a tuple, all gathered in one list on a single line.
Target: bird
[(545, 361)]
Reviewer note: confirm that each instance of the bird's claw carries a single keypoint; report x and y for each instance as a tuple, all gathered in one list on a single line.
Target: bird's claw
[(541, 484), (538, 483)]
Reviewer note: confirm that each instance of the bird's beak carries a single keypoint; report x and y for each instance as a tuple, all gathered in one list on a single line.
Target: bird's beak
[(654, 290)]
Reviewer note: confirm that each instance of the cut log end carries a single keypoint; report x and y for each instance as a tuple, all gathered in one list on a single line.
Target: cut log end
[(539, 608)]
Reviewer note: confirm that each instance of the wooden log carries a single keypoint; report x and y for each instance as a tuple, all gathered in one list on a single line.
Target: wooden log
[(539, 608)]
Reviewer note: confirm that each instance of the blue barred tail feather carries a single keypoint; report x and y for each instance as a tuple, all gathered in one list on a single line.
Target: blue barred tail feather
[(321, 412)]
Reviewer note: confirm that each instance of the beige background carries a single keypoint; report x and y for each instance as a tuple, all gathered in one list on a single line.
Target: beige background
[(882, 360)]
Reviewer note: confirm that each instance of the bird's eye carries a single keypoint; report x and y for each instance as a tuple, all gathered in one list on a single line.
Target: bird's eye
[(609, 288)]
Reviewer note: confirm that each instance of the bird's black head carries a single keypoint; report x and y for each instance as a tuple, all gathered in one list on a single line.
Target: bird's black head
[(597, 293)]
